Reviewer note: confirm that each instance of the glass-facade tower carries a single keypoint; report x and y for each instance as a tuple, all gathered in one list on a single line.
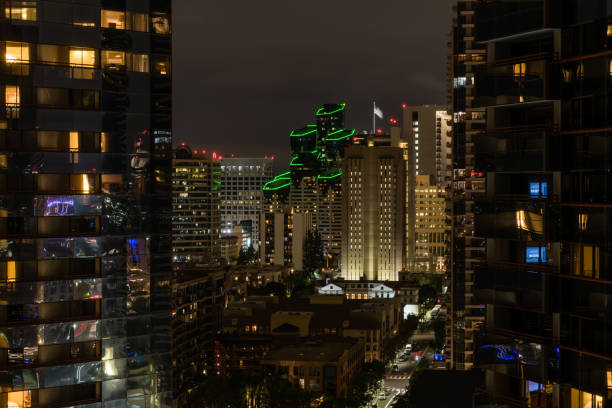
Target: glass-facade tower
[(546, 155), (85, 160)]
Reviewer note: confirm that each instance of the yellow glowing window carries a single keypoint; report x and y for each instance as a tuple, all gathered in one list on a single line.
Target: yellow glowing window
[(82, 57), (140, 22), (519, 70), (104, 142), (113, 60), (113, 19), (12, 95), (160, 24), (21, 10), (161, 66), (609, 31), (74, 141), (140, 63), (17, 52), (580, 71), (11, 271)]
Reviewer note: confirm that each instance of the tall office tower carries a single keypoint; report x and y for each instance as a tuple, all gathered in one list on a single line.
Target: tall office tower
[(282, 237), (432, 228), (465, 313), (372, 213), (196, 208), (312, 185), (429, 127), (404, 138), (85, 153), (546, 216), (241, 195)]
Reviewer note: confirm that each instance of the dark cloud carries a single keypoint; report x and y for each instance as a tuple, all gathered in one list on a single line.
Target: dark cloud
[(246, 72)]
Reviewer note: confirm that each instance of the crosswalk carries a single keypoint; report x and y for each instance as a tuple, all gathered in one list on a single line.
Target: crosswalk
[(398, 376)]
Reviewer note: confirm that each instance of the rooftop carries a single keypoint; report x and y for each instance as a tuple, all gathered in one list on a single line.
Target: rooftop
[(314, 350)]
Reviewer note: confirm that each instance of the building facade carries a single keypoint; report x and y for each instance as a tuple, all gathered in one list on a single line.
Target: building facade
[(465, 313), (282, 237), (546, 155), (242, 180), (429, 128), (198, 300), (324, 366), (313, 183), (373, 213), (432, 228), (196, 208), (86, 149)]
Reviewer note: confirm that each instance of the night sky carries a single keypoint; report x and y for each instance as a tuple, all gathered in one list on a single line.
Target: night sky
[(247, 72)]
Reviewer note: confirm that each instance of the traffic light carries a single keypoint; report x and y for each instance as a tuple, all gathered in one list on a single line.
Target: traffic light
[(417, 357)]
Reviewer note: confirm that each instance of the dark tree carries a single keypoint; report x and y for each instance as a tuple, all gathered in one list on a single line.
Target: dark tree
[(247, 256), (273, 288), (427, 294), (313, 253)]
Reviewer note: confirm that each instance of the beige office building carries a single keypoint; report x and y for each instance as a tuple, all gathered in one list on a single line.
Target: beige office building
[(372, 213), (432, 228)]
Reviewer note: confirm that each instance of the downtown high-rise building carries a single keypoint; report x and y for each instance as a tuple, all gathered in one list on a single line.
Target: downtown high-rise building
[(196, 208), (428, 126), (85, 210), (313, 183), (465, 314), (282, 236), (432, 227), (373, 226), (546, 155), (242, 199)]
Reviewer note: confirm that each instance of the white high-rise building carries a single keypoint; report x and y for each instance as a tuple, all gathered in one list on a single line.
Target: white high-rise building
[(429, 127), (242, 180)]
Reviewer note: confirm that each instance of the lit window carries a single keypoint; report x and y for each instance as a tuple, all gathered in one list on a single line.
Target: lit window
[(519, 70), (580, 71), (113, 60), (20, 10), (161, 65), (17, 52), (74, 141), (140, 63), (12, 95), (140, 22), (160, 23), (113, 19), (82, 57)]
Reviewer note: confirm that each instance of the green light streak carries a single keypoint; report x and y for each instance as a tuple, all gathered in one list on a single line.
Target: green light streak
[(351, 133), (331, 176), (321, 111), (294, 133), (267, 188), (293, 163), (218, 184)]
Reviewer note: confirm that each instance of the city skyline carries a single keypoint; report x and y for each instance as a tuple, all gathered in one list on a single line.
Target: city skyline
[(288, 67)]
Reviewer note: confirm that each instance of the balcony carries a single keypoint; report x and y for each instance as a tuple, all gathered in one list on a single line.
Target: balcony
[(517, 148), (504, 18)]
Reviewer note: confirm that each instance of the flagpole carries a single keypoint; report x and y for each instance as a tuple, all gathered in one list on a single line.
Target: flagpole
[(374, 117)]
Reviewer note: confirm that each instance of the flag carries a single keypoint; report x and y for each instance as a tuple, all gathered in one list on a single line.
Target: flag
[(378, 112)]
